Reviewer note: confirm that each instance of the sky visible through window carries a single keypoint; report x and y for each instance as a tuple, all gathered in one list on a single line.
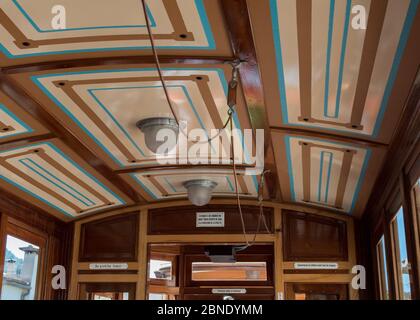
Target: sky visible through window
[(13, 244), (403, 250)]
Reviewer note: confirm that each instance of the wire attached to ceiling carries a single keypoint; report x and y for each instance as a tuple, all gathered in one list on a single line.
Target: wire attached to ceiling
[(231, 102), (232, 84)]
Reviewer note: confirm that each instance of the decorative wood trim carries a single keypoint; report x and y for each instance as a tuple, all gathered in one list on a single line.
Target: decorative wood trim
[(279, 288), (142, 257), (318, 278), (209, 238)]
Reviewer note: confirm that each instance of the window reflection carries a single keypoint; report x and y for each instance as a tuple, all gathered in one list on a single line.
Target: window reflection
[(234, 271), (402, 264), (160, 269), (382, 269)]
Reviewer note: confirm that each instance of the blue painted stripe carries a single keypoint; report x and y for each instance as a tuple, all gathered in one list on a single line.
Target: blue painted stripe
[(321, 170), (411, 13), (115, 121), (205, 23), (361, 179), (38, 29), (15, 118), (230, 184), (328, 62), (342, 59), (44, 175), (327, 187), (290, 168), (170, 185), (134, 176), (279, 60), (203, 17)]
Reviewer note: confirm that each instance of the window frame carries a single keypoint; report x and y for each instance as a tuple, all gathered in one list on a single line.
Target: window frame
[(20, 230)]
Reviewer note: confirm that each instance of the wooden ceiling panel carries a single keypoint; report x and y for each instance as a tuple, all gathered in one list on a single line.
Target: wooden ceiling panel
[(168, 184), (109, 28), (51, 176), (103, 106), (329, 173), (330, 76), (15, 123)]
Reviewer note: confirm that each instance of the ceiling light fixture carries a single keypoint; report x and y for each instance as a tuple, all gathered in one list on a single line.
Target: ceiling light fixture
[(151, 126), (199, 191)]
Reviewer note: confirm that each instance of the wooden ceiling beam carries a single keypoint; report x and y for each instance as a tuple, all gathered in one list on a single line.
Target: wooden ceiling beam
[(17, 94), (113, 61), (18, 142), (240, 34), (180, 167), (330, 136)]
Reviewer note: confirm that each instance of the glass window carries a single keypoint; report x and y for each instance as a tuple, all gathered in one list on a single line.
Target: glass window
[(233, 271), (402, 264), (382, 269), (416, 202), (109, 296), (20, 270), (160, 269), (158, 296)]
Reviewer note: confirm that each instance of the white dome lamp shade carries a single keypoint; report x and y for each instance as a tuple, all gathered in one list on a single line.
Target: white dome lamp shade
[(151, 127), (199, 191)]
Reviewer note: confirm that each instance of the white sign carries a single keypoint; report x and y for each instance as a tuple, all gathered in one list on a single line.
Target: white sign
[(108, 266), (228, 291), (210, 219), (316, 265)]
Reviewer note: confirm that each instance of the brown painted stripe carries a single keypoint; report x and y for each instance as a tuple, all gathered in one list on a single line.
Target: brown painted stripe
[(306, 170), (129, 79), (175, 16), (304, 21), (8, 24), (370, 47), (5, 128), (344, 175), (242, 185), (156, 183)]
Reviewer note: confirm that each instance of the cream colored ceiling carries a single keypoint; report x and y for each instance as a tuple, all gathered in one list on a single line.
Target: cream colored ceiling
[(333, 97)]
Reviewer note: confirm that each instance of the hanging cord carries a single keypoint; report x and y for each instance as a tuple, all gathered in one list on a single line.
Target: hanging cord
[(231, 101), (238, 200), (152, 42), (232, 84), (261, 216)]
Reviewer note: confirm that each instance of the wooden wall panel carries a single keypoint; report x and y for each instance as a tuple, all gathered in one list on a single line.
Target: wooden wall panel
[(182, 220), (57, 235), (110, 239), (318, 291), (309, 237)]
